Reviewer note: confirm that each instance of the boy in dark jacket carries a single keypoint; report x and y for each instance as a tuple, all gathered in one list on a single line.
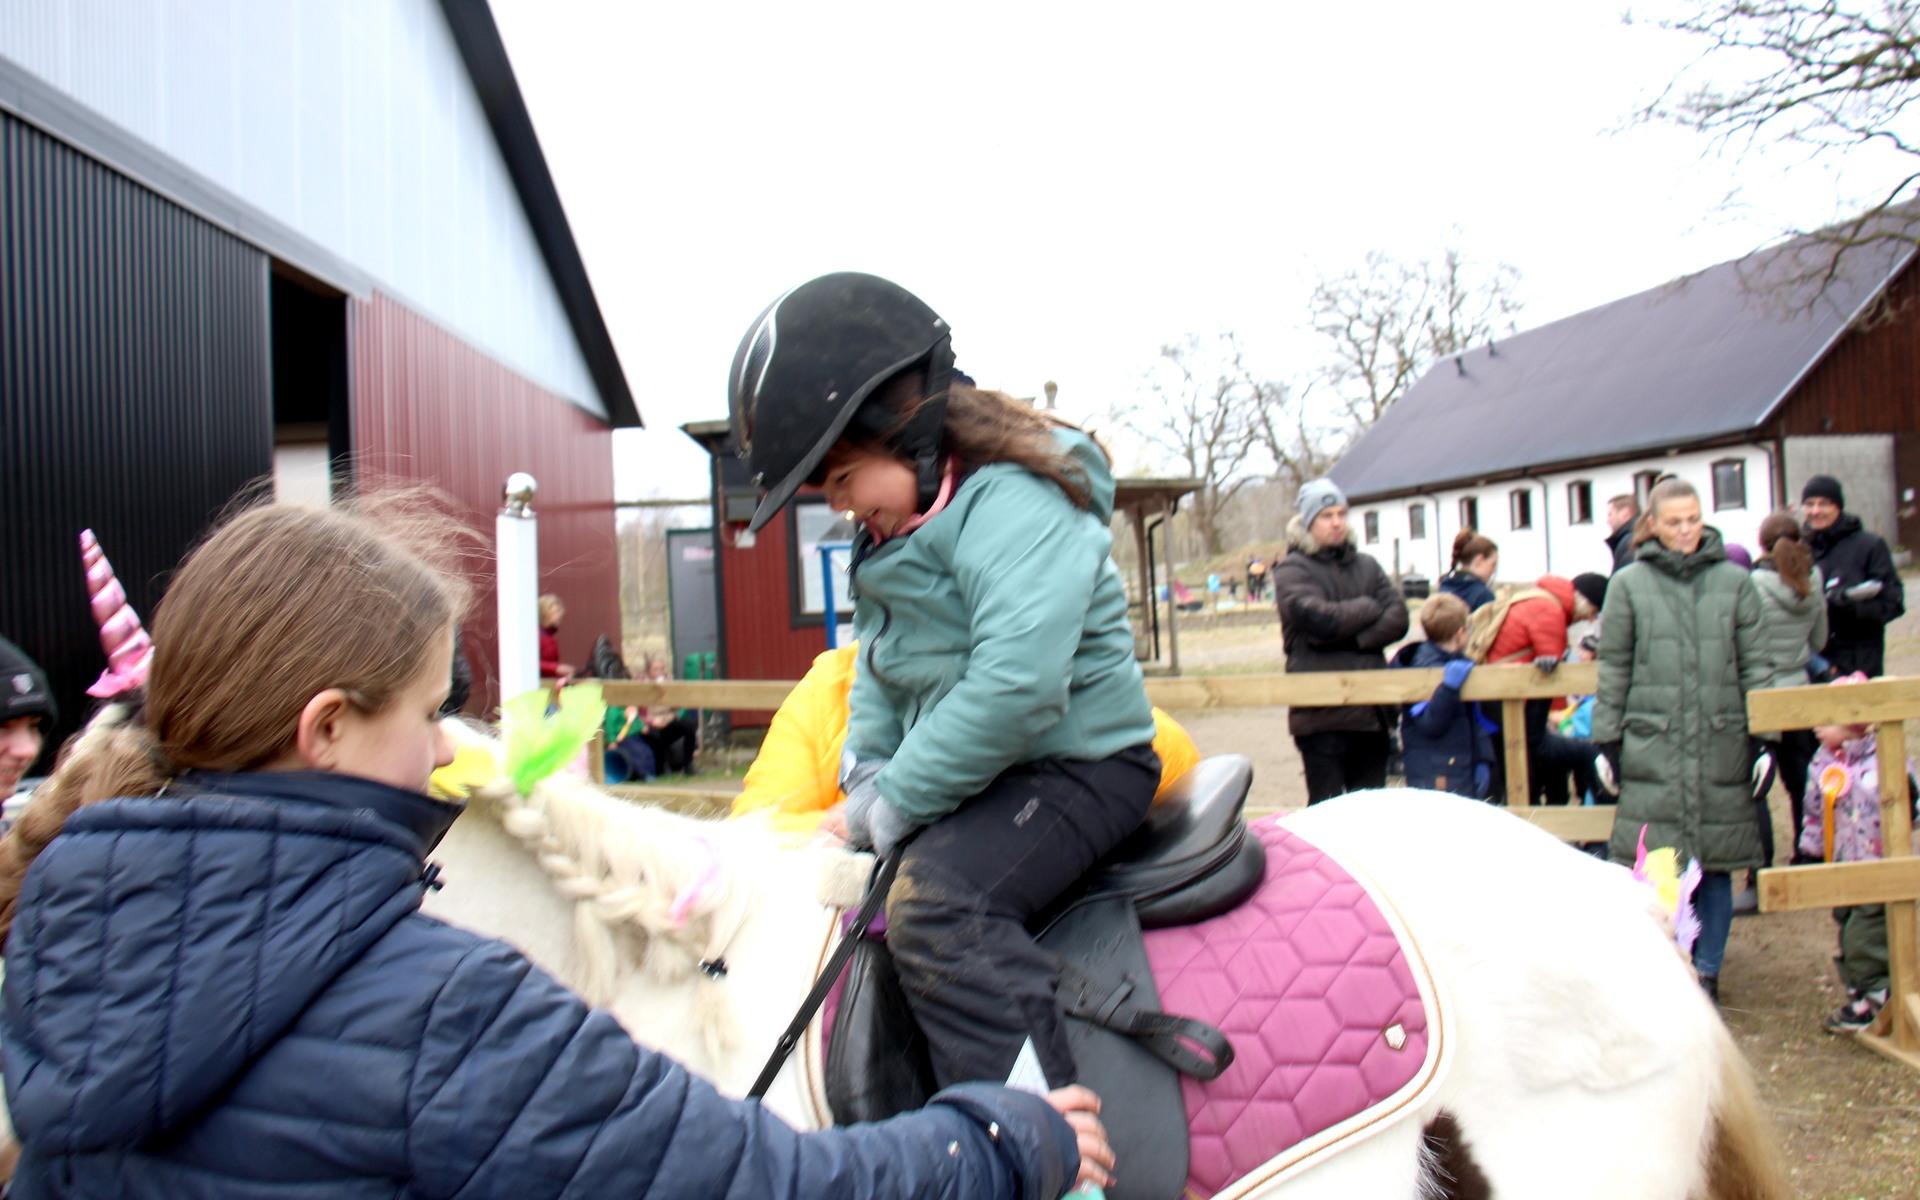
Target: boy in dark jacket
[(1447, 742)]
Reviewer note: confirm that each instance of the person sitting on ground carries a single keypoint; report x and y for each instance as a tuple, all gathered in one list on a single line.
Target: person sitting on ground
[(27, 713), (219, 981), (552, 612), (1842, 824), (1475, 559), (1447, 742), (670, 734), (1338, 612), (1863, 590), (794, 778)]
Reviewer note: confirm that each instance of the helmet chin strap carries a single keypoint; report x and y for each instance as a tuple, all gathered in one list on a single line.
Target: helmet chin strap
[(920, 441)]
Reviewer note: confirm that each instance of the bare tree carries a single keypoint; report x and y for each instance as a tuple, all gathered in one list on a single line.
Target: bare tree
[(1387, 322), (1205, 412), (1299, 448), (1835, 76)]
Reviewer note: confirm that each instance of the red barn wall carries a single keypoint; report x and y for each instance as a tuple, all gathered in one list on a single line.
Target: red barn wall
[(1867, 384), (428, 407), (759, 639)]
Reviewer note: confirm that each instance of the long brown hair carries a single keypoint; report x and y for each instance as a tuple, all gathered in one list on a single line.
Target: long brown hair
[(278, 605), (984, 427), (1780, 541), (1469, 545)]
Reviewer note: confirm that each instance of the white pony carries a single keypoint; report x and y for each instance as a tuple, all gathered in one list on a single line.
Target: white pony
[(1582, 1059)]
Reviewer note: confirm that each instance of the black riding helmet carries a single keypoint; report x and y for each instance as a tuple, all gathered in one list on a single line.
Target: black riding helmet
[(809, 363)]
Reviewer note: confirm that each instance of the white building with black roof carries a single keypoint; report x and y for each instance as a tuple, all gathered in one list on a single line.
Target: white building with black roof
[(1744, 379)]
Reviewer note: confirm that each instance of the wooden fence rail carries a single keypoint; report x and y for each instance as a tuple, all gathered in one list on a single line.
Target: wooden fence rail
[(1510, 687)]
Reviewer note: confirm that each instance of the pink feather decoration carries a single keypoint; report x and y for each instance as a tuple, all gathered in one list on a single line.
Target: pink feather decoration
[(129, 649), (1686, 922)]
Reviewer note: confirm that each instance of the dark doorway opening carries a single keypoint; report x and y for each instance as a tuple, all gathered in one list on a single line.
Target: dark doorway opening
[(311, 437)]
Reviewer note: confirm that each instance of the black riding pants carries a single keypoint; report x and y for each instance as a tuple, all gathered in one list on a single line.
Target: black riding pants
[(1338, 763), (956, 917)]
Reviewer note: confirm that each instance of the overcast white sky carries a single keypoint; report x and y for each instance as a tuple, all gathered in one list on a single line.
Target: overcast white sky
[(1073, 185)]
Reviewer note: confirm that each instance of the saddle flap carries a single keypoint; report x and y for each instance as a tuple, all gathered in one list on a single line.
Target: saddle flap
[(1140, 1101), (877, 1060)]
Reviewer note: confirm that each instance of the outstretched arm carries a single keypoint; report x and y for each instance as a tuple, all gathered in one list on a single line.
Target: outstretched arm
[(577, 1108)]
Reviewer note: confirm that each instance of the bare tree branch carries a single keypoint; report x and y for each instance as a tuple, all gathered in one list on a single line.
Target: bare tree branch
[(1204, 412), (1387, 322), (1830, 75)]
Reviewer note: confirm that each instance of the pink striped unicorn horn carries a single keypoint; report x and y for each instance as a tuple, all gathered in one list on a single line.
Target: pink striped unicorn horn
[(129, 649)]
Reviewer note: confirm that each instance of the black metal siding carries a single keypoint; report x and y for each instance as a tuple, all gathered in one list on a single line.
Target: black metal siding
[(134, 391)]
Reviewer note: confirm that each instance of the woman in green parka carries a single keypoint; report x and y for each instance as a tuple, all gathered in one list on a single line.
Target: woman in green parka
[(1681, 645)]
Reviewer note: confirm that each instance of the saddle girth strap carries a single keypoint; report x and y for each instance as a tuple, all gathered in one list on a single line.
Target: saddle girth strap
[(1193, 1048)]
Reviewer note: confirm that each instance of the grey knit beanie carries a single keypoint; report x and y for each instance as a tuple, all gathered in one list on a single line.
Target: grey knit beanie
[(1315, 496)]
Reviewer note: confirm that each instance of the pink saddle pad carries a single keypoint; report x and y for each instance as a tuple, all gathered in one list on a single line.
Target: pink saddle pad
[(1320, 1000)]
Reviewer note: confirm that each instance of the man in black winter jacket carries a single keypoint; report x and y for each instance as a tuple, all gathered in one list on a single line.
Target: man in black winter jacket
[(1864, 594), (1623, 513), (1338, 612)]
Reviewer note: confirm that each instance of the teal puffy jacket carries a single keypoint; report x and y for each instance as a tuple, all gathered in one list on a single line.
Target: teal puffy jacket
[(994, 634)]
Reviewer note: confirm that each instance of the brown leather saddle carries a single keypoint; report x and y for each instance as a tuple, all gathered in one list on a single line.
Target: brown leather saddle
[(1190, 860)]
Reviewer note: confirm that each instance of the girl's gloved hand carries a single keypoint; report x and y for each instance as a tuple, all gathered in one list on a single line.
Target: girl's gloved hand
[(863, 794), (888, 827)]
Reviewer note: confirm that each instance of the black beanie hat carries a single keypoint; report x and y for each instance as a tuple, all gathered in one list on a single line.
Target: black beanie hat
[(1826, 487), (1592, 588), (23, 687)]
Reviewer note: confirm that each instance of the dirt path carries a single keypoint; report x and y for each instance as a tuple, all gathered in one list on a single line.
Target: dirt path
[(1848, 1120)]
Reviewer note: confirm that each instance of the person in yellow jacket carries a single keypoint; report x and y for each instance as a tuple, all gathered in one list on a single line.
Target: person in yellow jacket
[(795, 777)]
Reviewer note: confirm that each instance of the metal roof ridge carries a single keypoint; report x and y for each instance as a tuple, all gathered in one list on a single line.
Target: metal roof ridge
[(477, 38)]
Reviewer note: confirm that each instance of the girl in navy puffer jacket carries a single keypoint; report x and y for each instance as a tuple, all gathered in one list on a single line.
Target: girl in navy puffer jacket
[(221, 984)]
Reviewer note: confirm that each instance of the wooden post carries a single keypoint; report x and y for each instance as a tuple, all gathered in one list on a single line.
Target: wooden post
[(1899, 1021), (1893, 881), (1173, 604), (1143, 563), (1513, 719)]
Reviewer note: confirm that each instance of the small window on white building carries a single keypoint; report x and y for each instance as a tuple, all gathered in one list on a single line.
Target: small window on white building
[(1520, 508), (1416, 522), (1729, 484), (1469, 512), (1580, 502), (1372, 523), (1643, 482)]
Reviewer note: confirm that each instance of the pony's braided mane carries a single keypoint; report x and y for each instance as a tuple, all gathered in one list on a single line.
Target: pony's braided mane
[(624, 866)]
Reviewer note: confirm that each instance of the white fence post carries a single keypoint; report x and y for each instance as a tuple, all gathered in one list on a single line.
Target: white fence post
[(517, 586)]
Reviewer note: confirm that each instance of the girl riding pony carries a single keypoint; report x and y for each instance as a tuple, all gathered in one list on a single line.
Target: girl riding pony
[(999, 727)]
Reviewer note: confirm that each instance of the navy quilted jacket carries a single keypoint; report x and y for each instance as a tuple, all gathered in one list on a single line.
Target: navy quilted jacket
[(232, 993)]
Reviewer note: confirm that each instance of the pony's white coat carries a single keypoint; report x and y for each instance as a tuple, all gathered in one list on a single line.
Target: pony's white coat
[(1585, 1060)]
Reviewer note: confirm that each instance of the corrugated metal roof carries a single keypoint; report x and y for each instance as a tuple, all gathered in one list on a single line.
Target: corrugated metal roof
[(1702, 357)]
